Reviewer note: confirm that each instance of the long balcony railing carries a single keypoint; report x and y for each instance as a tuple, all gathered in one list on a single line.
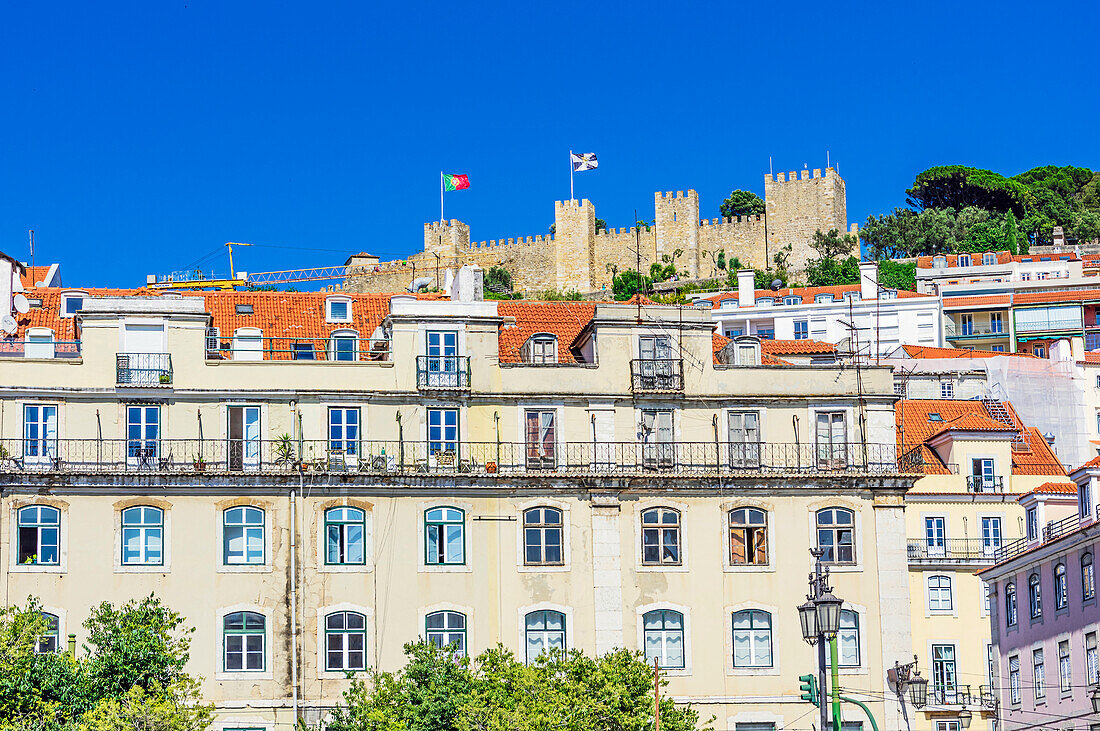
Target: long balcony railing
[(961, 695), (419, 457), (39, 348), (661, 375), (1053, 530), (347, 348), (143, 369), (1056, 324), (443, 372), (952, 550)]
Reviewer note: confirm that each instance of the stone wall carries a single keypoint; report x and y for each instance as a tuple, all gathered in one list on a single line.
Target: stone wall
[(579, 257)]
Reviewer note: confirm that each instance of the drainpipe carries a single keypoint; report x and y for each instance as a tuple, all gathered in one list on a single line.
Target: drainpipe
[(98, 440), (294, 590), (797, 451), (496, 422), (400, 440)]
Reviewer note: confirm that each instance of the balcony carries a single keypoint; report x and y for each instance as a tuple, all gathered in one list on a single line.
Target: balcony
[(338, 348), (618, 459), (961, 331), (648, 375), (443, 372), (143, 369), (1055, 324), (39, 348), (983, 483), (951, 551), (982, 696), (1053, 530)]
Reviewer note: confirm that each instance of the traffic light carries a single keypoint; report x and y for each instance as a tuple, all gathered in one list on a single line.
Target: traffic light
[(808, 688)]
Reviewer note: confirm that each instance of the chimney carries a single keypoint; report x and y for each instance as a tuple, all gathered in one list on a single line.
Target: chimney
[(468, 285), (746, 288), (868, 280)]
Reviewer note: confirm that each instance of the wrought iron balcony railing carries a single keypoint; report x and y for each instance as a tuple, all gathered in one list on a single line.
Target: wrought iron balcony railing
[(665, 375), (443, 372), (143, 369), (672, 459), (981, 483), (952, 550), (962, 695), (39, 348), (342, 348), (1053, 530)]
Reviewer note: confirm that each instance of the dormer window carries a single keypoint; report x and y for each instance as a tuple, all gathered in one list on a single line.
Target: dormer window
[(939, 262), (248, 343), (964, 260), (765, 301), (39, 343), (792, 299), (988, 259), (338, 309), (888, 294), (852, 295), (820, 298), (344, 346), (72, 303), (746, 351), (244, 309), (540, 348), (728, 303)]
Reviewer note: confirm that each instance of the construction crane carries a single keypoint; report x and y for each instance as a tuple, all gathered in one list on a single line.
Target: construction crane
[(195, 279)]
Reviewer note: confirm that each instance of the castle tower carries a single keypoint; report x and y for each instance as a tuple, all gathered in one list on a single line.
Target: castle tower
[(677, 223), (574, 244), (446, 238), (797, 206)]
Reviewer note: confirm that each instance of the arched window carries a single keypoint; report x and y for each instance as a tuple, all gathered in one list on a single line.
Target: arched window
[(848, 639), (48, 640), (243, 536), (243, 638), (748, 536), (39, 535), (1088, 578), (661, 537), (344, 536), (345, 641), (544, 630), (447, 629), (542, 537), (1061, 589), (444, 531), (1035, 598), (836, 535), (343, 345), (664, 637), (939, 593), (752, 639), (1010, 604), (143, 536)]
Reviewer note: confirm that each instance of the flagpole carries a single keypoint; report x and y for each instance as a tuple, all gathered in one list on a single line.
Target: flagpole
[(441, 219), (570, 175)]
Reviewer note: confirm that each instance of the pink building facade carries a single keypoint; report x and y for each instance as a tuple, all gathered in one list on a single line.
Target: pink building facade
[(1044, 611)]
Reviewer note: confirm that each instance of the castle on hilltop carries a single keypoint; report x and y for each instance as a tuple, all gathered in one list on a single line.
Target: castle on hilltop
[(579, 257)]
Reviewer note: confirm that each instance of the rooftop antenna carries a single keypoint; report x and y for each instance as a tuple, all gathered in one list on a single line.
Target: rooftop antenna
[(770, 171), (827, 163), (32, 249)]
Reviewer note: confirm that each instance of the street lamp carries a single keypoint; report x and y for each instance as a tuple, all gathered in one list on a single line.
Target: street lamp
[(828, 614), (1094, 696), (918, 690), (965, 716), (807, 614)]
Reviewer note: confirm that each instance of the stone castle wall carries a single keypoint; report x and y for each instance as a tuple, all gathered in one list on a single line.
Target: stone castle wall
[(579, 257)]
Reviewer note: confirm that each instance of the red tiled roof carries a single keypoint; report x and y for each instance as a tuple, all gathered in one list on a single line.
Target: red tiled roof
[(33, 275), (1054, 488), (922, 351), (563, 319), (1070, 296), (807, 293), (911, 418), (991, 300), (1065, 256), (1090, 357), (796, 347), (1093, 463), (925, 262), (639, 299)]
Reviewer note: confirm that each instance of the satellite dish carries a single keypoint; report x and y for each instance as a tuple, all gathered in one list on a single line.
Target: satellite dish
[(776, 285), (20, 303), (8, 324)]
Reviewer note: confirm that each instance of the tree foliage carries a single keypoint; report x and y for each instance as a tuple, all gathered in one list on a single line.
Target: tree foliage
[(906, 233), (498, 280), (742, 203), (833, 263), (496, 692), (958, 186), (898, 275), (628, 283)]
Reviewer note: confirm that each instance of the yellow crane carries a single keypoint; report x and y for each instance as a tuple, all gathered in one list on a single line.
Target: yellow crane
[(195, 280)]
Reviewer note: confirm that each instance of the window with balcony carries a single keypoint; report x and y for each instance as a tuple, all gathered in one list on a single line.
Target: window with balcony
[(1035, 596), (1031, 517), (940, 595), (39, 535), (991, 534), (343, 346), (544, 631), (1061, 587), (935, 535), (944, 678), (656, 368), (243, 637), (441, 367), (343, 433), (661, 537), (748, 537), (540, 433), (966, 324), (447, 630), (243, 536), (744, 439), (345, 641), (243, 443), (658, 448), (445, 536), (832, 440), (345, 530), (1088, 577), (663, 637), (143, 437), (752, 639), (142, 536), (996, 323), (542, 537), (982, 475), (836, 535), (39, 434), (443, 435), (540, 349)]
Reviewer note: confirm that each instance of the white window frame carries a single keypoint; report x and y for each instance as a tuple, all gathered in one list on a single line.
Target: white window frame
[(330, 317), (468, 538), (322, 637), (935, 594), (337, 336), (685, 614), (248, 344), (220, 673), (65, 297)]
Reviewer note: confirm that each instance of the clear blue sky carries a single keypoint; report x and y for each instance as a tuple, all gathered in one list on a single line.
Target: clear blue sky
[(137, 137)]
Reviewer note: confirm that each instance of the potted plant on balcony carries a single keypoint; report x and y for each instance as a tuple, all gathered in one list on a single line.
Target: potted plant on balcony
[(284, 450), (199, 463), (165, 378)]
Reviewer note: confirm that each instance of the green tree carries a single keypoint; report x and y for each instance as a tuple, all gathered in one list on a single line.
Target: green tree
[(898, 275), (628, 283), (1086, 226), (958, 186), (742, 203), (498, 279), (175, 708)]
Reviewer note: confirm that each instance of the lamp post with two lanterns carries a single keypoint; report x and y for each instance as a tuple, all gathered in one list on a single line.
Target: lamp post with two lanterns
[(820, 619)]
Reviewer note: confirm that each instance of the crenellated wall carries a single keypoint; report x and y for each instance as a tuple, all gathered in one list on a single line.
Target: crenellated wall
[(579, 257)]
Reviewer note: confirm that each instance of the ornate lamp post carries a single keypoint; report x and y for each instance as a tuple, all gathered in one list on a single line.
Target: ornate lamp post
[(918, 690), (820, 620), (1094, 696)]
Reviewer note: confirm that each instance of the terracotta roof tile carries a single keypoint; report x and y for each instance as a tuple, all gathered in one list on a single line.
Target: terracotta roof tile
[(807, 293), (33, 275), (921, 351), (1068, 296), (1054, 488), (992, 300), (563, 319), (925, 262), (796, 347), (1065, 256), (1092, 464)]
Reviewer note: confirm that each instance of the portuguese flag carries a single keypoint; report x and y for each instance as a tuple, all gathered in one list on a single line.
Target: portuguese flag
[(455, 182)]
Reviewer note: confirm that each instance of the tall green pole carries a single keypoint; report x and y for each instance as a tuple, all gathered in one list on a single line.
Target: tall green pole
[(835, 677)]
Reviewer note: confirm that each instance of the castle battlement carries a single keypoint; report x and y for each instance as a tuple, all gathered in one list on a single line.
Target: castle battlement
[(690, 195), (572, 205), (797, 176), (492, 244)]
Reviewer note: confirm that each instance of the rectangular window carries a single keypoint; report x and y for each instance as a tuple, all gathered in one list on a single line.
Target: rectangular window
[(1040, 351), (991, 535), (655, 347), (1084, 499), (540, 435), (765, 333), (302, 351), (1038, 673), (744, 438), (996, 323), (1032, 524), (982, 474), (40, 433), (142, 436), (947, 388), (997, 348), (935, 535), (343, 432), (943, 673), (1092, 660), (966, 323), (940, 593), (832, 440), (801, 329), (1065, 673), (990, 668), (1014, 678), (244, 437), (658, 450), (443, 434)]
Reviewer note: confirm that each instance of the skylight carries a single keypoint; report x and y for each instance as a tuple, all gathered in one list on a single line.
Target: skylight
[(935, 417), (244, 309)]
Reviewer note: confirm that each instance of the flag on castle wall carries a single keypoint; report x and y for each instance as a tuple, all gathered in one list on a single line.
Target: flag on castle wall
[(583, 161), (455, 182)]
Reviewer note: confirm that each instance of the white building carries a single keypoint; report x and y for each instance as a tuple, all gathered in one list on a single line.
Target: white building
[(865, 318), (994, 267)]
